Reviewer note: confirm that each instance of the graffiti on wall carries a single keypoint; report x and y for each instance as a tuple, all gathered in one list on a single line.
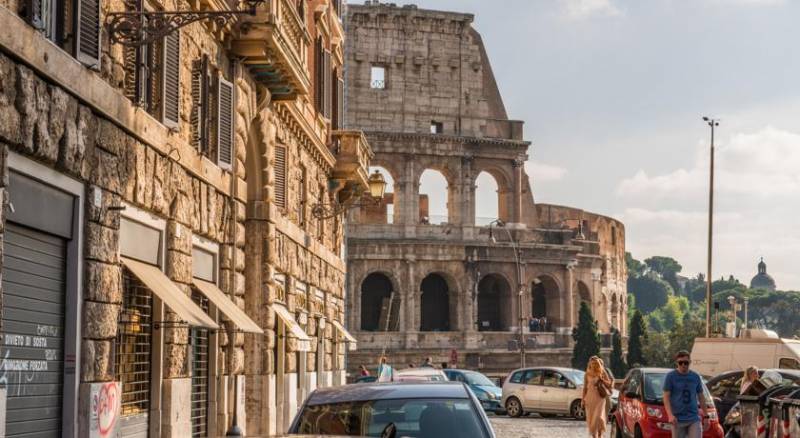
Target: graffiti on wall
[(105, 409)]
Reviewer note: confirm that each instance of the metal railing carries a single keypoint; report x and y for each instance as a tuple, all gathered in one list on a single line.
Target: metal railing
[(200, 357), (133, 346)]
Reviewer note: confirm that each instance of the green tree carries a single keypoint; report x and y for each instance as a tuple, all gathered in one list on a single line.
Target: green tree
[(618, 366), (635, 267), (587, 339), (667, 267), (637, 337), (651, 292), (684, 334), (656, 350)]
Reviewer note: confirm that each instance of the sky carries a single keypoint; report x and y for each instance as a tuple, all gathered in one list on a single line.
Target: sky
[(612, 93)]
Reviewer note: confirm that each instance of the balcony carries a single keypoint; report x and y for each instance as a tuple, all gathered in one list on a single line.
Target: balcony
[(353, 155), (274, 44)]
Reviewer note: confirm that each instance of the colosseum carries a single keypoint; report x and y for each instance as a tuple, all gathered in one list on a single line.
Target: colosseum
[(420, 85)]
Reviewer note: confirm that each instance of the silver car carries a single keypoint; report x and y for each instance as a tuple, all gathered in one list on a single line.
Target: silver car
[(544, 390), (414, 410)]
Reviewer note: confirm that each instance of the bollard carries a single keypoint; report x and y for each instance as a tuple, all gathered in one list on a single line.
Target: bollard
[(792, 411), (751, 413)]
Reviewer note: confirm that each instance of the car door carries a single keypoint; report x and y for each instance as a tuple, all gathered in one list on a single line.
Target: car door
[(629, 401), (554, 392), (532, 381), (514, 386)]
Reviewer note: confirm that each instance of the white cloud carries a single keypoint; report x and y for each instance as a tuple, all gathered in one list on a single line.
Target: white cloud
[(762, 164), (578, 9), (542, 172)]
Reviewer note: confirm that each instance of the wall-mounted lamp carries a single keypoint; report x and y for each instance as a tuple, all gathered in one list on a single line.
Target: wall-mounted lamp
[(377, 187)]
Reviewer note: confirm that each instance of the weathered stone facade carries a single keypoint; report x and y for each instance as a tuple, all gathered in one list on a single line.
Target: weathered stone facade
[(129, 168), (419, 289)]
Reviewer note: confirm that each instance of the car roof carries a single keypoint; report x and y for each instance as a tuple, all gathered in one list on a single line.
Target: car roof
[(783, 372), (561, 369), (387, 391), (422, 371)]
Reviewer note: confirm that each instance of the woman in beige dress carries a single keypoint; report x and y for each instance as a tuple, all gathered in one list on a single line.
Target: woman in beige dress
[(593, 403)]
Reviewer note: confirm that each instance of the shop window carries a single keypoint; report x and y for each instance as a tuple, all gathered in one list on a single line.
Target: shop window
[(132, 357), (200, 372)]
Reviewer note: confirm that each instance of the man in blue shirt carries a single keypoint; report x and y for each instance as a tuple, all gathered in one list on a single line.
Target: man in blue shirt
[(683, 391)]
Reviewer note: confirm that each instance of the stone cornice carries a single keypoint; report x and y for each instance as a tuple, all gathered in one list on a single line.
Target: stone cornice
[(443, 138), (305, 135)]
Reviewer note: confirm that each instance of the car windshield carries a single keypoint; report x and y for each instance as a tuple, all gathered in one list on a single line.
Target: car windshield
[(576, 376), (478, 379), (413, 418)]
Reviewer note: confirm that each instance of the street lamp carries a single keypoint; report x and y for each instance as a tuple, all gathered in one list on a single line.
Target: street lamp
[(713, 123), (521, 292)]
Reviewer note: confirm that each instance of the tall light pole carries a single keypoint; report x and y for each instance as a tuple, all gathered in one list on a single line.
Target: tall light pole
[(713, 123), (521, 291)]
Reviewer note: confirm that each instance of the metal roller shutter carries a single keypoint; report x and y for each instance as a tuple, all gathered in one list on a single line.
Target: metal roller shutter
[(34, 276), (200, 377)]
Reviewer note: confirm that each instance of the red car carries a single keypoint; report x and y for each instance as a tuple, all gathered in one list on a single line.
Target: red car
[(640, 410)]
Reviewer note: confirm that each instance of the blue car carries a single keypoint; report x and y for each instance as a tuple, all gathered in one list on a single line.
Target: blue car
[(487, 392)]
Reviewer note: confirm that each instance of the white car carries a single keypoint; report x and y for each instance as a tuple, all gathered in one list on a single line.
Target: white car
[(421, 374), (544, 390)]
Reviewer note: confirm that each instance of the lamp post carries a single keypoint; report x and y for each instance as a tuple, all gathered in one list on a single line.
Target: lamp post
[(521, 291), (732, 302), (745, 314), (713, 123)]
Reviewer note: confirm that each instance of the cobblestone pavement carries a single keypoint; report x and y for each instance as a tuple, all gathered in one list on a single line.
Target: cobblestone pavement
[(535, 426)]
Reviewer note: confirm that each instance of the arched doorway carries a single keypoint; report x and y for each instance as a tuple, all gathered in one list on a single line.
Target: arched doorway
[(435, 304), (583, 296), (494, 303), (376, 293), (545, 304)]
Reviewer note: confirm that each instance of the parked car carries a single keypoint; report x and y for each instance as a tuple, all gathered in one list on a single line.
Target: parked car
[(725, 387), (421, 374), (641, 410), (421, 410), (487, 392), (544, 390)]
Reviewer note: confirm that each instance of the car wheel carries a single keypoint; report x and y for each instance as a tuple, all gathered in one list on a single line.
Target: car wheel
[(513, 407), (576, 411)]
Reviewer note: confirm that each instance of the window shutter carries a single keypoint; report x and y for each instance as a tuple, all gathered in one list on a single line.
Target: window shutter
[(328, 84), (170, 80), (35, 13), (224, 123), (199, 113), (87, 32), (319, 85), (280, 176), (338, 103)]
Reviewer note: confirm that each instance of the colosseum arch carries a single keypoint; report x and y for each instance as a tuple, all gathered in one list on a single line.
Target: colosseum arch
[(436, 303), (546, 301), (433, 209), (583, 295), (376, 291), (503, 180), (494, 303)]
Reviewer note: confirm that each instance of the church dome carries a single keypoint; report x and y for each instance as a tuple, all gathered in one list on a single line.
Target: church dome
[(762, 280)]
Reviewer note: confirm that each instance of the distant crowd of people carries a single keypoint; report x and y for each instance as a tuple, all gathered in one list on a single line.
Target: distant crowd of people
[(539, 324)]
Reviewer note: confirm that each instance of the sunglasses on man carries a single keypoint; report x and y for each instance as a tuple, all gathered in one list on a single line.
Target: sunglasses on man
[(683, 363)]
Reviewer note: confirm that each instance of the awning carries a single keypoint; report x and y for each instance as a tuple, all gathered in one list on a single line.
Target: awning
[(350, 339), (170, 294), (227, 307), (293, 328)]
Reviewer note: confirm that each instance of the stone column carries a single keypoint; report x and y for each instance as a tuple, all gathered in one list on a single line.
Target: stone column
[(411, 290), (467, 193), (516, 196), (570, 298)]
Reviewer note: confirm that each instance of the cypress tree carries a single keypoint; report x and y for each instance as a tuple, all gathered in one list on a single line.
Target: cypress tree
[(587, 339), (618, 366), (637, 337)]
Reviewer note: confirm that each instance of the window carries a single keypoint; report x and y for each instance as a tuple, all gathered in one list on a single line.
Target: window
[(152, 77), (323, 99), (377, 78), (321, 221), (66, 23), (212, 113), (302, 197), (789, 363), (553, 379), (436, 127), (532, 377), (280, 176), (516, 377), (133, 346)]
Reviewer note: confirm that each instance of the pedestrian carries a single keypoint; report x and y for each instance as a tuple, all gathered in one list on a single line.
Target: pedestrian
[(536, 324), (750, 376), (683, 389), (428, 363), (596, 388), (445, 365), (385, 372), (363, 371), (543, 324), (530, 325)]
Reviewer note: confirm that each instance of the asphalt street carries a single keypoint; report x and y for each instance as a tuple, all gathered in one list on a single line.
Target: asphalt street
[(534, 426)]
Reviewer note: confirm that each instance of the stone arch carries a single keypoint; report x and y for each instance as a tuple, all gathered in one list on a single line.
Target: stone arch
[(583, 295), (494, 303), (376, 292), (386, 211), (487, 199), (505, 189), (435, 303), (432, 209), (546, 301)]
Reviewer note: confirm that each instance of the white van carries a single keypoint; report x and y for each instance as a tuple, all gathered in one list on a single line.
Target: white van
[(762, 348)]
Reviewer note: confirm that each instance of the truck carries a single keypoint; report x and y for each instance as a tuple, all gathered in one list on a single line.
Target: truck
[(759, 347)]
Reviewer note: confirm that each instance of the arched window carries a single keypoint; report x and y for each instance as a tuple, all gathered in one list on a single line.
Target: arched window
[(382, 213), (433, 198), (494, 303), (376, 295), (435, 304), (545, 304), (486, 199)]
